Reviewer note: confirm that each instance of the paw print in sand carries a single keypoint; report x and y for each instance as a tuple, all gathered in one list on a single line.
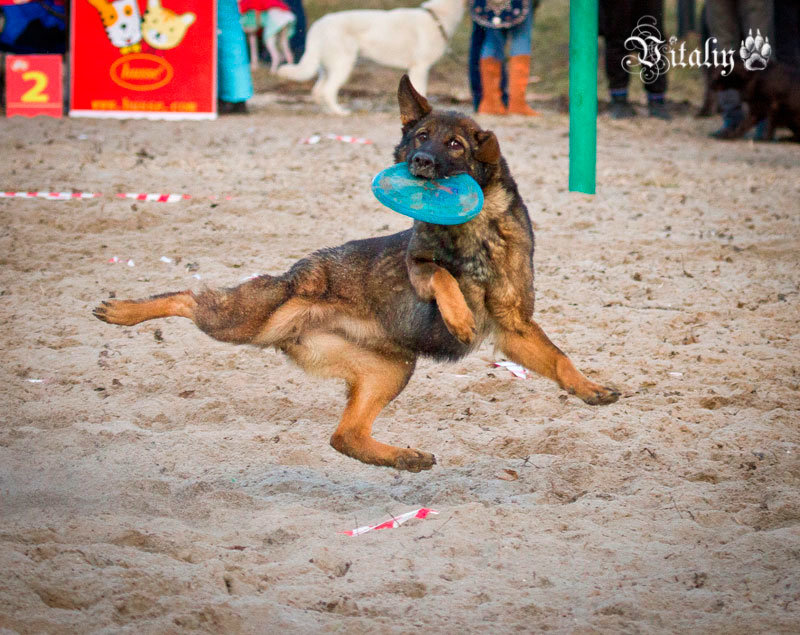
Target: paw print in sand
[(755, 51)]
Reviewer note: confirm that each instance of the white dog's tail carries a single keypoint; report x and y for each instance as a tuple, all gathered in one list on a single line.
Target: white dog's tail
[(308, 65)]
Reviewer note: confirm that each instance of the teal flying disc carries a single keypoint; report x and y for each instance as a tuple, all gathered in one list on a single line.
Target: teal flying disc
[(450, 201)]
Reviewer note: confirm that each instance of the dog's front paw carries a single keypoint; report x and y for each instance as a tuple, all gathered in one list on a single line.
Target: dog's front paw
[(462, 326), (414, 460)]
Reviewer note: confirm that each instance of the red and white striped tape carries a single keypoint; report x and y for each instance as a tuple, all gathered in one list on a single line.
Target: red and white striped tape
[(167, 198), (313, 139), (156, 198), (396, 521), (138, 196), (51, 196)]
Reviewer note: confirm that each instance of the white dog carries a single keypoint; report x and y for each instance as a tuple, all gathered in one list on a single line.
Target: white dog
[(407, 38)]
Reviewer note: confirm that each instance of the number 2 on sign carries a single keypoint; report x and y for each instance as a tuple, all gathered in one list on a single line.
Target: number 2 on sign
[(35, 94)]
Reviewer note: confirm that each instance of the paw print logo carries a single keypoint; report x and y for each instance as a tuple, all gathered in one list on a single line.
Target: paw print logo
[(755, 51)]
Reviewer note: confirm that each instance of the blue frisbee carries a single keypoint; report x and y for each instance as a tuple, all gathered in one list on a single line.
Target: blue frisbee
[(450, 201)]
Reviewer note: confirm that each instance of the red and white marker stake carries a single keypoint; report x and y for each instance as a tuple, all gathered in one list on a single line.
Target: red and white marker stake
[(396, 521)]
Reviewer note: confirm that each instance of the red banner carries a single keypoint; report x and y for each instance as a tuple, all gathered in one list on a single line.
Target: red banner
[(33, 85), (152, 59)]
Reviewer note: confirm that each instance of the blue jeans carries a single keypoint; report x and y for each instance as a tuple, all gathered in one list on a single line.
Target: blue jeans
[(520, 35)]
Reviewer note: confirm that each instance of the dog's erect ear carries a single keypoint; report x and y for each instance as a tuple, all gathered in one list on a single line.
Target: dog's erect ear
[(488, 148), (413, 106)]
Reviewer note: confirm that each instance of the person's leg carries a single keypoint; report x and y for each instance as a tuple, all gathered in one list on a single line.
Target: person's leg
[(235, 85), (709, 105), (519, 67), (491, 70), (475, 45), (494, 44), (298, 39), (723, 24), (617, 26), (758, 16), (787, 32), (656, 90)]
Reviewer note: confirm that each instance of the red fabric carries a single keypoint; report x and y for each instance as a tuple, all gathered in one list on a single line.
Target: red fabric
[(261, 5)]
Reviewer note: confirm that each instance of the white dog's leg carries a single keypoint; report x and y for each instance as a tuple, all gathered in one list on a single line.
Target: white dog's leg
[(336, 75), (419, 78), (319, 85)]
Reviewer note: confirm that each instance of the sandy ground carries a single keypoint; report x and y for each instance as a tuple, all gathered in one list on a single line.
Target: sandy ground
[(157, 481)]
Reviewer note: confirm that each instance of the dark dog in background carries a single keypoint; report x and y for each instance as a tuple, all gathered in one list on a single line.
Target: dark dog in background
[(365, 311), (772, 94)]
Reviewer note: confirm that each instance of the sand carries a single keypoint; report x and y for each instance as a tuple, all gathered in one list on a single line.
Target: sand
[(155, 481)]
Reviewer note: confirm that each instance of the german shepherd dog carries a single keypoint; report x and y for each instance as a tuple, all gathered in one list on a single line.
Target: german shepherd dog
[(365, 311)]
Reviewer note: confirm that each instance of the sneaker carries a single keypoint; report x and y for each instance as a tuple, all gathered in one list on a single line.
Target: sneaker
[(621, 109), (232, 107), (760, 131), (658, 109), (730, 122)]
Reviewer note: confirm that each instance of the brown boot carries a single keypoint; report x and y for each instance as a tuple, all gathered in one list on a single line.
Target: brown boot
[(491, 99), (519, 67)]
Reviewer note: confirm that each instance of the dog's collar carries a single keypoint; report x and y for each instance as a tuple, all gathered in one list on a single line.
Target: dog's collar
[(438, 22)]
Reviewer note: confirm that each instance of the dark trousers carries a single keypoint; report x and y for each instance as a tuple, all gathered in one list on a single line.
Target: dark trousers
[(298, 41), (618, 19), (787, 32)]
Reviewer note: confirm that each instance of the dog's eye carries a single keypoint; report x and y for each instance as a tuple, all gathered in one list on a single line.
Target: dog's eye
[(454, 144), (422, 136)]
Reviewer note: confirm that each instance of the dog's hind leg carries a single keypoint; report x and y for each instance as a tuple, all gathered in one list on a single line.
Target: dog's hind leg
[(234, 315), (130, 312), (319, 87), (373, 380), (528, 345), (337, 72)]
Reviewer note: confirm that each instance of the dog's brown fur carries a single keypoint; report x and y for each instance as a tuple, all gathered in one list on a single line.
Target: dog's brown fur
[(366, 310), (771, 94)]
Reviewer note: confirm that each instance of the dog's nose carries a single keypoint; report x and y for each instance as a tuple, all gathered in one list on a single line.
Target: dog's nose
[(423, 164)]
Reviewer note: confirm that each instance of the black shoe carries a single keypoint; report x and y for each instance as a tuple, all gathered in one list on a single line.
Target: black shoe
[(621, 109), (729, 130), (658, 109), (232, 107)]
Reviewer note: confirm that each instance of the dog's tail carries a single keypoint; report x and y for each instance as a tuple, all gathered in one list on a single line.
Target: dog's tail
[(308, 66)]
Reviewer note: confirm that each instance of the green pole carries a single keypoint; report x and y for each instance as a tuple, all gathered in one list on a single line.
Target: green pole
[(582, 95)]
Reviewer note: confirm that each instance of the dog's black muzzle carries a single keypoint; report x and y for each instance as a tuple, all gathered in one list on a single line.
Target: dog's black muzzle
[(423, 165)]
